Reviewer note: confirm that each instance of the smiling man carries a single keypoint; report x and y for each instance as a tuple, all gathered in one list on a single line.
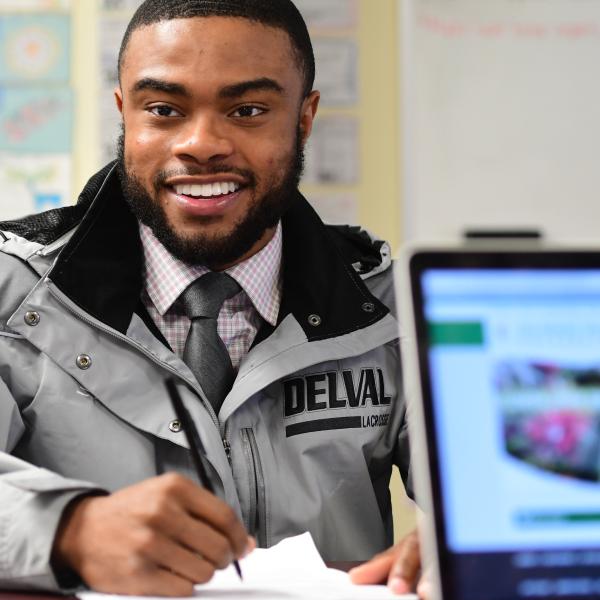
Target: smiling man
[(194, 256)]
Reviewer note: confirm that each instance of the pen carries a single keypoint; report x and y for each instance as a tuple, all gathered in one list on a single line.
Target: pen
[(196, 446)]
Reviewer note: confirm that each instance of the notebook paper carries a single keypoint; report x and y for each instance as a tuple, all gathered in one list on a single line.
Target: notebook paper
[(291, 570)]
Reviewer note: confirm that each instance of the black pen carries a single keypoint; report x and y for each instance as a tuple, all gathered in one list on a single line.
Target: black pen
[(196, 445)]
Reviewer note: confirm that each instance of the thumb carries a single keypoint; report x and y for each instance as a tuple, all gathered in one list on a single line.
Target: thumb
[(374, 571)]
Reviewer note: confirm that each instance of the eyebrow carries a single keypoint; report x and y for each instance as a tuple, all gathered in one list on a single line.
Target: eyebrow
[(234, 90), (158, 85), (239, 89)]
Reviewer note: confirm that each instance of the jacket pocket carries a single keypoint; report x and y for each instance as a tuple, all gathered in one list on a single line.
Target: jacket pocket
[(257, 513)]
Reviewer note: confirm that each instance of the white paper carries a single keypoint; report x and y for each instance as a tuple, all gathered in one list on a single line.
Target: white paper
[(112, 29), (34, 5), (31, 183), (338, 208), (329, 14), (332, 152), (290, 570), (337, 71), (116, 5)]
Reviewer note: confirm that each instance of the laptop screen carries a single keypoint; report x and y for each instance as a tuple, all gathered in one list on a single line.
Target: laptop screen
[(510, 371)]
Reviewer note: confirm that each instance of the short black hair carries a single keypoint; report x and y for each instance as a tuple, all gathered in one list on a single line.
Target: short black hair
[(281, 14)]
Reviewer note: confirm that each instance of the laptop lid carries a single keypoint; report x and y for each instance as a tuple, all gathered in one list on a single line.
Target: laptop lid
[(503, 384)]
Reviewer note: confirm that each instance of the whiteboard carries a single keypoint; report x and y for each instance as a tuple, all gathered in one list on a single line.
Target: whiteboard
[(501, 117)]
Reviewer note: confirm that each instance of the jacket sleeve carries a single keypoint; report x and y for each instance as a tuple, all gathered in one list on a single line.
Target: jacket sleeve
[(32, 501)]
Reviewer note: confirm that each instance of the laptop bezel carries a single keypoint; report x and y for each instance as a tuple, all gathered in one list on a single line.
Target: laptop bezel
[(415, 355)]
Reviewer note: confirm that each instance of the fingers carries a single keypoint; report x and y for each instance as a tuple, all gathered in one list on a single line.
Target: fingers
[(157, 582), (399, 566), (206, 508), (202, 539), (374, 571), (406, 565), (424, 587), (159, 536), (173, 558), (250, 546)]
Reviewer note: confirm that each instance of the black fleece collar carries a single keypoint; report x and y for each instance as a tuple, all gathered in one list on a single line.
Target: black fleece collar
[(101, 269)]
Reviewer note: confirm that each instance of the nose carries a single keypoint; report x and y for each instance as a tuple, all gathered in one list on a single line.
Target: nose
[(202, 140)]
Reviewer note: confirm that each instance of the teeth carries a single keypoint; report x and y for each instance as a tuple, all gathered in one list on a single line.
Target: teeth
[(207, 190)]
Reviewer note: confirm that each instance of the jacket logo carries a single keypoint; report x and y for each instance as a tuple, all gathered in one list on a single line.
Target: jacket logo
[(323, 391)]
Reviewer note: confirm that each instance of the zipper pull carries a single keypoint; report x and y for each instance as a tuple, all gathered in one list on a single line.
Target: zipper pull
[(227, 447)]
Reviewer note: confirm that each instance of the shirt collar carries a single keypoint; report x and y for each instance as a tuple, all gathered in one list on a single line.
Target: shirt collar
[(259, 276)]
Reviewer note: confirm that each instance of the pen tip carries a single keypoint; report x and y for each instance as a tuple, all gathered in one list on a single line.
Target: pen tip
[(236, 564)]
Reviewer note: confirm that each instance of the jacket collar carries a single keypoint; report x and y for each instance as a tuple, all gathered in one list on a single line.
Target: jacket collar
[(101, 269)]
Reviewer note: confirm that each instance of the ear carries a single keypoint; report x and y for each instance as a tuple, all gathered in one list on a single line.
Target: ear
[(119, 99), (308, 111)]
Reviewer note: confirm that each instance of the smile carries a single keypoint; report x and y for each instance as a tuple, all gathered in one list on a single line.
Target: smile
[(206, 190)]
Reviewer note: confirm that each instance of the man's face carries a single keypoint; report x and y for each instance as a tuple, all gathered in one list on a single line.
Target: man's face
[(214, 124)]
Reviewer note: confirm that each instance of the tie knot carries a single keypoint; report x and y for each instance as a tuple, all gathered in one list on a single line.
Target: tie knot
[(205, 296)]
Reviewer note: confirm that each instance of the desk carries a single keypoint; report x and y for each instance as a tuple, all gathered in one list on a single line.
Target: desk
[(342, 566)]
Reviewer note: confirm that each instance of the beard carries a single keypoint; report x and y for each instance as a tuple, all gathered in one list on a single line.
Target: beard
[(202, 248)]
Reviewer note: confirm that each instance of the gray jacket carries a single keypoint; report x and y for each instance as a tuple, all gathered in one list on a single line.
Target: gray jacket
[(305, 440)]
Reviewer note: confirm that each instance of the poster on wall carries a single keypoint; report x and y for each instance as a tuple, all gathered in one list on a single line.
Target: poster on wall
[(337, 71), (33, 182), (336, 208), (332, 152), (120, 5), (36, 106), (35, 119), (331, 15), (34, 5), (112, 28), (35, 146), (34, 48)]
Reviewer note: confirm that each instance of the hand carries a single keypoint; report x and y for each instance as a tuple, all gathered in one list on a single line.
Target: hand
[(159, 537), (399, 566)]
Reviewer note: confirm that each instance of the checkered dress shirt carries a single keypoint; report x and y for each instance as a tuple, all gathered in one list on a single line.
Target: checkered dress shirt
[(241, 316)]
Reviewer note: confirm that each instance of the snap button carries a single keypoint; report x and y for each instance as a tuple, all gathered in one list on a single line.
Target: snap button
[(314, 320), (83, 361), (32, 318), (368, 307), (175, 426)]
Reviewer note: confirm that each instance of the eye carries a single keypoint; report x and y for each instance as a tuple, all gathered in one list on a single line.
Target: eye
[(248, 111), (163, 110)]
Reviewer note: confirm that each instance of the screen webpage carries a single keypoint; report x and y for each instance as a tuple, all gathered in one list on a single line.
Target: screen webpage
[(514, 357)]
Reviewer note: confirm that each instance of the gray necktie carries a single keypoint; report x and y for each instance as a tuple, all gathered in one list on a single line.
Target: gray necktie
[(204, 352)]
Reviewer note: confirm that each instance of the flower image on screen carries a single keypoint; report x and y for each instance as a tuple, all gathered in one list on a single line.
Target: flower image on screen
[(551, 415)]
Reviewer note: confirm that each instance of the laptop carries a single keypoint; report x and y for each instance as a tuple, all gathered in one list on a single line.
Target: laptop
[(502, 359)]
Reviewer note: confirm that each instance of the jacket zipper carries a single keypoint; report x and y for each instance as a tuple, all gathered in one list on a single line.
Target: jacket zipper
[(227, 448), (257, 514)]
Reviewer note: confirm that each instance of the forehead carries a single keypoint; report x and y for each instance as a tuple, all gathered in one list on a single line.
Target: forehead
[(209, 49)]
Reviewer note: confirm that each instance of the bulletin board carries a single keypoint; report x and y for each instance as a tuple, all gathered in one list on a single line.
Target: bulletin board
[(36, 106), (502, 117)]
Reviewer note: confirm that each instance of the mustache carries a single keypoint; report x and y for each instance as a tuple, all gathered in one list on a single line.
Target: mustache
[(163, 176)]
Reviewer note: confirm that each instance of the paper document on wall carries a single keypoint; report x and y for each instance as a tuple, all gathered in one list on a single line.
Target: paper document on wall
[(291, 569), (31, 183)]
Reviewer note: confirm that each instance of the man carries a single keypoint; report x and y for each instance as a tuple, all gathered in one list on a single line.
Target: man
[(99, 305)]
